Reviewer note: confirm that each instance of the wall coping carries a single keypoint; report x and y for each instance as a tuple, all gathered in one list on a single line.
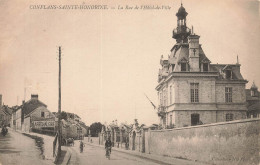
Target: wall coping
[(209, 125)]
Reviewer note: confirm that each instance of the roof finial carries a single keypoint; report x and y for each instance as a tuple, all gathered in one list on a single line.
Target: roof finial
[(181, 2), (237, 60), (192, 29), (253, 85)]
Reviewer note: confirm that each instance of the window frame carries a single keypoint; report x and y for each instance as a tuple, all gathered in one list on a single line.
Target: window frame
[(228, 74), (229, 117), (170, 94), (194, 92), (171, 120), (184, 63), (204, 64), (164, 97), (228, 94), (193, 117), (42, 112)]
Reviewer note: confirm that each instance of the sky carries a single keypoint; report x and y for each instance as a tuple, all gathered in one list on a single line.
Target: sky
[(110, 58)]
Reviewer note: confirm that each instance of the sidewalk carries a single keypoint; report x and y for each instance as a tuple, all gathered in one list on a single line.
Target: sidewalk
[(155, 158), (48, 148)]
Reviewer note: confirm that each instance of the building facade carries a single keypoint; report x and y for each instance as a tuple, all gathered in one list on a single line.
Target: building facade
[(5, 114), (18, 118), (36, 111), (191, 90)]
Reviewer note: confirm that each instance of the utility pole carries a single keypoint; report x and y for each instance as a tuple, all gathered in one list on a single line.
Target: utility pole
[(59, 105)]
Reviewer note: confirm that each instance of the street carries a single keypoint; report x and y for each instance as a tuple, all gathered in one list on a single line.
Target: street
[(16, 148), (96, 156)]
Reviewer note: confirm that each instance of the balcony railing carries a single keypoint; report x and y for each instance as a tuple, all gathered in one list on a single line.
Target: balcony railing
[(180, 30), (161, 111)]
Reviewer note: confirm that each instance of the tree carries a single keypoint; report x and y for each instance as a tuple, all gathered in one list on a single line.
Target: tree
[(95, 128), (63, 115)]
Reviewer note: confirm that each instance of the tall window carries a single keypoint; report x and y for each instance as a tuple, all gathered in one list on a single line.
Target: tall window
[(229, 117), (160, 98), (228, 94), (164, 97), (170, 95), (194, 92), (183, 66), (170, 120)]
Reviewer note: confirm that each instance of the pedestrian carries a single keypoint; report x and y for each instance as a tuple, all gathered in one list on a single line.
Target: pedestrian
[(81, 146), (108, 144)]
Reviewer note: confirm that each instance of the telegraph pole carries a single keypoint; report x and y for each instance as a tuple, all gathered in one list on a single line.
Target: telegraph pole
[(59, 105)]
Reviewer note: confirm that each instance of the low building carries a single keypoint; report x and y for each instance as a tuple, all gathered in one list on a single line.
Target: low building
[(13, 117), (5, 115), (18, 119), (73, 127), (34, 110), (253, 102)]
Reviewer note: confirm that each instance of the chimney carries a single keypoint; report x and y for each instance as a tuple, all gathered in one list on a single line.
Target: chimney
[(0, 100), (194, 53), (34, 96)]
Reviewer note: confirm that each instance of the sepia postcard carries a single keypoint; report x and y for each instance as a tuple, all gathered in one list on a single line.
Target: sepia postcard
[(130, 82)]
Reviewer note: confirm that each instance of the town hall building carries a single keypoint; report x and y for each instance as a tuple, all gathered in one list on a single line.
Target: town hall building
[(192, 90)]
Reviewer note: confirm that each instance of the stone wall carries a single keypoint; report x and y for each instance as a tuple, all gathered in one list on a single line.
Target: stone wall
[(206, 89), (183, 118), (235, 142), (238, 92), (238, 115)]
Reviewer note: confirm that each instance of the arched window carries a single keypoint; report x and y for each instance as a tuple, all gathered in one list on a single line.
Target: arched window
[(229, 117)]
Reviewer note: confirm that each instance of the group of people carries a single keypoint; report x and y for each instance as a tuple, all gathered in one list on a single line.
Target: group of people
[(108, 146)]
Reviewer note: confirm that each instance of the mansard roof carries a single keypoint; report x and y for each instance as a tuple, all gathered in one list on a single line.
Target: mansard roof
[(249, 97), (183, 60), (203, 57), (236, 75), (181, 51)]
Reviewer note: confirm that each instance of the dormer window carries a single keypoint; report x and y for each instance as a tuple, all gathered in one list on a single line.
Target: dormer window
[(254, 90), (205, 67), (228, 74), (253, 93), (173, 65), (183, 67)]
